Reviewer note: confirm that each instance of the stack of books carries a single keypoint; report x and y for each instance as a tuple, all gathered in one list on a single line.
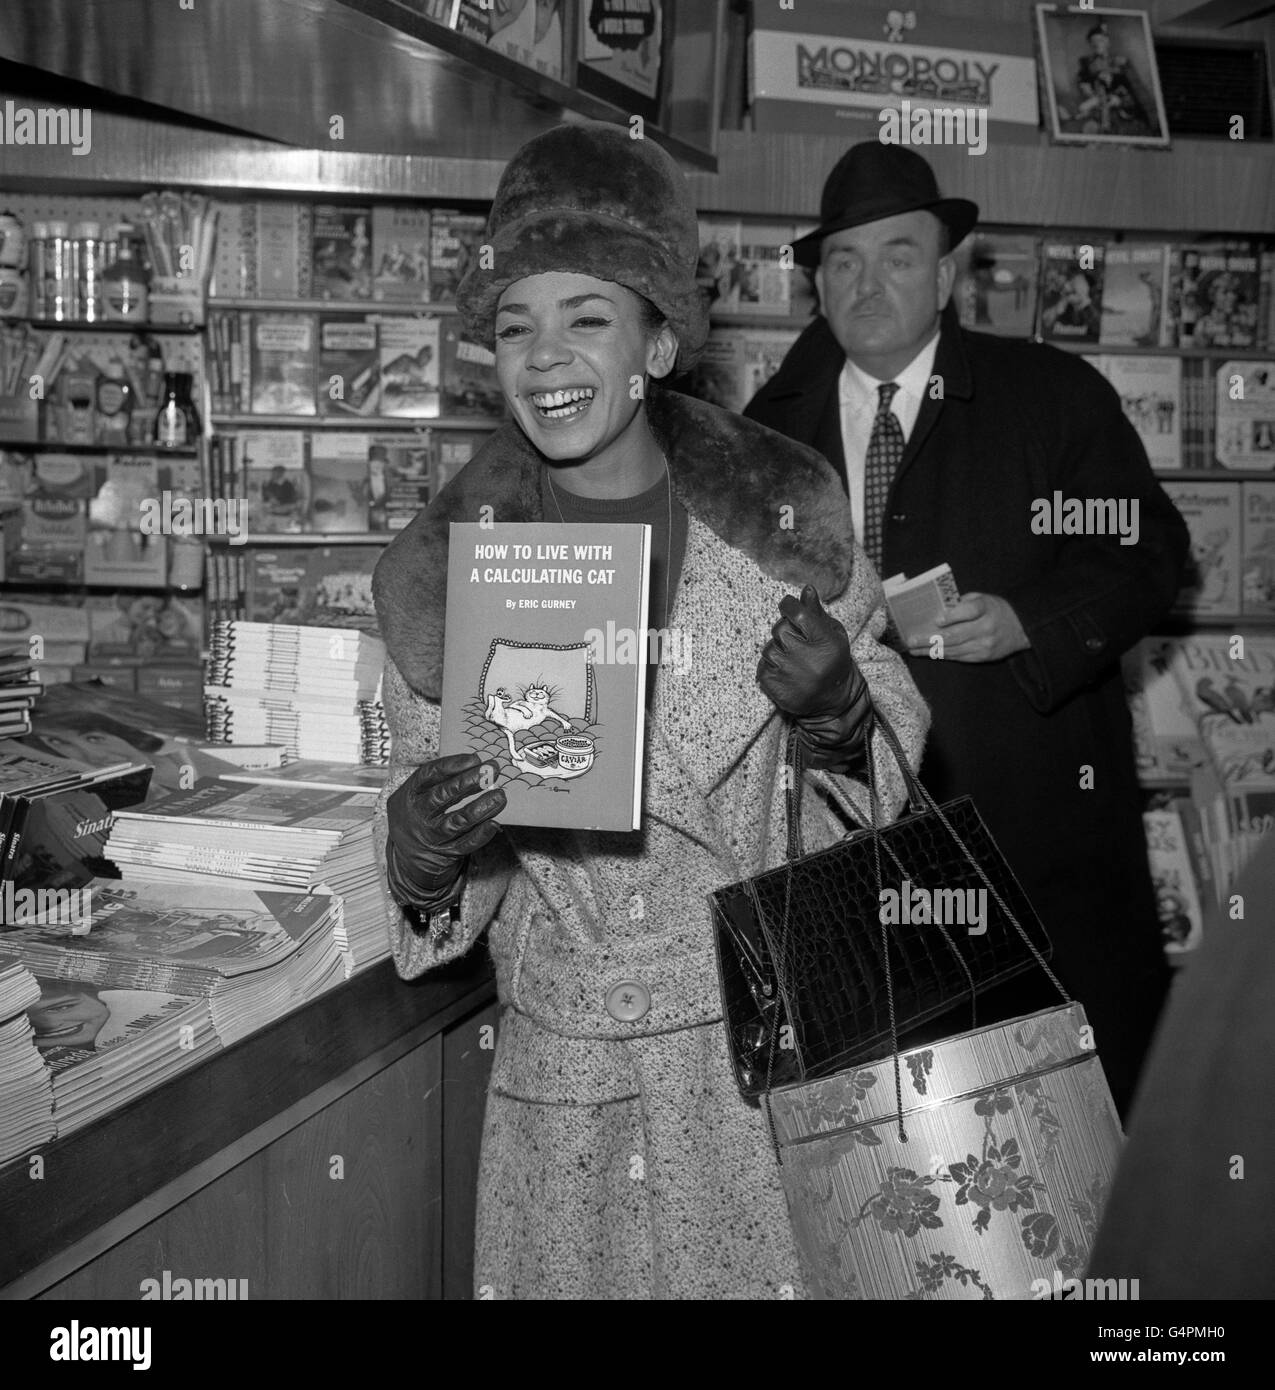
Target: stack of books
[(26, 1088), (19, 687), (302, 687), (294, 838)]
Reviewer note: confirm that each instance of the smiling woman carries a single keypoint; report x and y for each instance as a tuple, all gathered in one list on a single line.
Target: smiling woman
[(574, 360), (619, 1160)]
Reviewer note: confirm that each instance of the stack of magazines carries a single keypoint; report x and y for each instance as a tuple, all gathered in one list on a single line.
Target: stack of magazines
[(26, 1089), (294, 838), (253, 955), (106, 1045), (19, 689), (303, 687), (319, 776), (97, 726)]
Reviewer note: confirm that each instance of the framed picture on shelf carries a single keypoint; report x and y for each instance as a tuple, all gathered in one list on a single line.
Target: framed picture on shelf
[(621, 53), (531, 32), (1098, 77)]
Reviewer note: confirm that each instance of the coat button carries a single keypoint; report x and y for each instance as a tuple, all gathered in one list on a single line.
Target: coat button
[(628, 1001)]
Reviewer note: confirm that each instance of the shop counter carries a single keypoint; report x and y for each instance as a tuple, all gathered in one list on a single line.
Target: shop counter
[(332, 1154)]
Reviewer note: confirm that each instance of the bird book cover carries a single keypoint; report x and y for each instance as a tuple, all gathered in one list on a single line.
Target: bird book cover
[(1228, 684), (544, 666)]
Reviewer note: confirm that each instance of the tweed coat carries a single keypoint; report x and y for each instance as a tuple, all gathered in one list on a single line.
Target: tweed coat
[(1041, 741), (618, 1159)]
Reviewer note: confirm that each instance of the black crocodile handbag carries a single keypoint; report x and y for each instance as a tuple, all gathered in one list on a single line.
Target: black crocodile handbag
[(832, 958)]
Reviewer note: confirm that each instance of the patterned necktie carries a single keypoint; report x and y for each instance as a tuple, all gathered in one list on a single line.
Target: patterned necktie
[(885, 450)]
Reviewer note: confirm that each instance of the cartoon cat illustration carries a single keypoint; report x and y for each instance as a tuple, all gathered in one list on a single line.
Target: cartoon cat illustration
[(517, 716)]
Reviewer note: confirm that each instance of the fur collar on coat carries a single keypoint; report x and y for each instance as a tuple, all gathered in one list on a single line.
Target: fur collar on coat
[(734, 475)]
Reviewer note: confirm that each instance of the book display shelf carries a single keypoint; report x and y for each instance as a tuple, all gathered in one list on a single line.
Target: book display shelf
[(342, 391), (1183, 327), (334, 394)]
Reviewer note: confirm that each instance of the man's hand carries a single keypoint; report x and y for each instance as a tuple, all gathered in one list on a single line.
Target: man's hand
[(429, 840), (981, 627)]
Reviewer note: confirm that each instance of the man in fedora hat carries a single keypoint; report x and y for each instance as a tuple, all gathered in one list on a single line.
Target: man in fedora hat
[(945, 439)]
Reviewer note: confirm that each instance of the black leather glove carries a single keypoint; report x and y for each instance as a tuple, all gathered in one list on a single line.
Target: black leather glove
[(808, 672), (428, 841)]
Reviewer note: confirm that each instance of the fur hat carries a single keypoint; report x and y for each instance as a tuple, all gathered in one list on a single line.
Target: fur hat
[(589, 199)]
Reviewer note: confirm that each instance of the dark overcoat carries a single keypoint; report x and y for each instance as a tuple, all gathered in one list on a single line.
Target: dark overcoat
[(1042, 740)]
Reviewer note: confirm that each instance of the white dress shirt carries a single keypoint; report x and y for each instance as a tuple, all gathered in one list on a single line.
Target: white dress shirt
[(859, 401)]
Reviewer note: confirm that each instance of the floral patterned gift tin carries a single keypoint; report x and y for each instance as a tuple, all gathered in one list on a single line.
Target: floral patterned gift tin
[(1012, 1141)]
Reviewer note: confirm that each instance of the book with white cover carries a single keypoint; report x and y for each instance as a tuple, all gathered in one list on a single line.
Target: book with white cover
[(544, 666), (918, 604), (1150, 390)]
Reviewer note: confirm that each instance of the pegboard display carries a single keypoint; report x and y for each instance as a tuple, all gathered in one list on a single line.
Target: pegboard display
[(182, 352)]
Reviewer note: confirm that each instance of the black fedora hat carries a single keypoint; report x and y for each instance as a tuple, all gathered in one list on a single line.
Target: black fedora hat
[(871, 181)]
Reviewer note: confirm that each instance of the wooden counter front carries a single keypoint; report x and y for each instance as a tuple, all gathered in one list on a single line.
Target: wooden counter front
[(333, 1154)]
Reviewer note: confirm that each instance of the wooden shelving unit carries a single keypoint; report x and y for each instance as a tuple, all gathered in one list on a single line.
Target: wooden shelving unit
[(309, 538), (356, 422), (113, 326), (439, 309), (54, 445)]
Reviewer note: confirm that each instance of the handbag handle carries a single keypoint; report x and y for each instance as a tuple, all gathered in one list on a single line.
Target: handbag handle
[(919, 800), (792, 805)]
